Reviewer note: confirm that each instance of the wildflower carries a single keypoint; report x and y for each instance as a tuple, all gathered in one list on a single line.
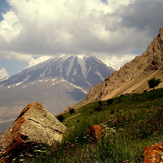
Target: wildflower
[(21, 160), (73, 145), (13, 159), (48, 153)]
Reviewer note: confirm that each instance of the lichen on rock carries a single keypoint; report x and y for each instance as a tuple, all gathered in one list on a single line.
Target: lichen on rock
[(34, 125)]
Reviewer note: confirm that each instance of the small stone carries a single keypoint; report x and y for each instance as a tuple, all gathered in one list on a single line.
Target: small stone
[(153, 153)]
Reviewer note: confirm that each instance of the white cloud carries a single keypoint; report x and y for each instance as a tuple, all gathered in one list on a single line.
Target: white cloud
[(52, 27), (33, 61), (3, 73), (10, 27), (15, 56), (116, 61)]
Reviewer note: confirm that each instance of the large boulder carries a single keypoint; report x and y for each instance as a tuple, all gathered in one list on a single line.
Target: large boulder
[(153, 153), (34, 125)]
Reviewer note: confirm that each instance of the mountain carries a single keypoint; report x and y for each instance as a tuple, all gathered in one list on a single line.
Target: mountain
[(81, 71), (56, 83), (133, 76)]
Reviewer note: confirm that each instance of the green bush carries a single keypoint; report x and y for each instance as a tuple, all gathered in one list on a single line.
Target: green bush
[(60, 118), (110, 101), (112, 112), (99, 102), (144, 91), (71, 111), (98, 108)]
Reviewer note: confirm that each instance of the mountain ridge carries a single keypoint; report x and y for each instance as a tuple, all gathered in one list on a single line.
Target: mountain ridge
[(133, 76)]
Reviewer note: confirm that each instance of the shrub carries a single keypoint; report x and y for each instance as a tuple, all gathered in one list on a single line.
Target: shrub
[(112, 111), (153, 82), (144, 91), (110, 101), (99, 102), (60, 118), (98, 108), (71, 111)]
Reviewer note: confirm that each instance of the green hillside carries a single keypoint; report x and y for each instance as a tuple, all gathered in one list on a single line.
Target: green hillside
[(137, 120)]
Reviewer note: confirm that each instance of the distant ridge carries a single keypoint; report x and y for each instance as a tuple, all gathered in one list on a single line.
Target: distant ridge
[(133, 76)]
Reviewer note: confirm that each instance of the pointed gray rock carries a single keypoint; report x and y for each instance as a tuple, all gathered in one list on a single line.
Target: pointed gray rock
[(34, 125)]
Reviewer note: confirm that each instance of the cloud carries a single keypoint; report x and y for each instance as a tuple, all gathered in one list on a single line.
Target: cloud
[(3, 73), (116, 61), (15, 56), (143, 15), (10, 27), (31, 60), (52, 27), (38, 60)]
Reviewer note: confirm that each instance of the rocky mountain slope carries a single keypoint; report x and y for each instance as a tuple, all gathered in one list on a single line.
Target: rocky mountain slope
[(133, 76), (55, 83)]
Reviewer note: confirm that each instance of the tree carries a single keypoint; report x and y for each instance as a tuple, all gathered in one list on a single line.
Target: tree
[(154, 82)]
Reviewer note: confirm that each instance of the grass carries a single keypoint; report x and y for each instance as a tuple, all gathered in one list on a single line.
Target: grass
[(137, 119)]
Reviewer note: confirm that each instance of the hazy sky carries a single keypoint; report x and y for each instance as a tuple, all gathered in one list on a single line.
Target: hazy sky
[(34, 30)]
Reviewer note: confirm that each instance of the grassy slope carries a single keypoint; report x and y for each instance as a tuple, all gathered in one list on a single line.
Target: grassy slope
[(120, 104), (136, 118)]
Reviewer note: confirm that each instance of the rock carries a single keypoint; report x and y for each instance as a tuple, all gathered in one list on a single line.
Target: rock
[(34, 125), (67, 110), (99, 131), (95, 133), (153, 153)]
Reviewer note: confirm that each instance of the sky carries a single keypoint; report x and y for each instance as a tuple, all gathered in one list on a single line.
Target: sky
[(32, 31)]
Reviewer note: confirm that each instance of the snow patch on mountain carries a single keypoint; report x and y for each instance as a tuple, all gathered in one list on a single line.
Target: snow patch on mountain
[(81, 61), (44, 72), (18, 84), (79, 88), (26, 78), (70, 66)]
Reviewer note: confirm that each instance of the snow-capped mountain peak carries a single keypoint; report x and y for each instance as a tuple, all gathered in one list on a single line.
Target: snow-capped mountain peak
[(82, 71)]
